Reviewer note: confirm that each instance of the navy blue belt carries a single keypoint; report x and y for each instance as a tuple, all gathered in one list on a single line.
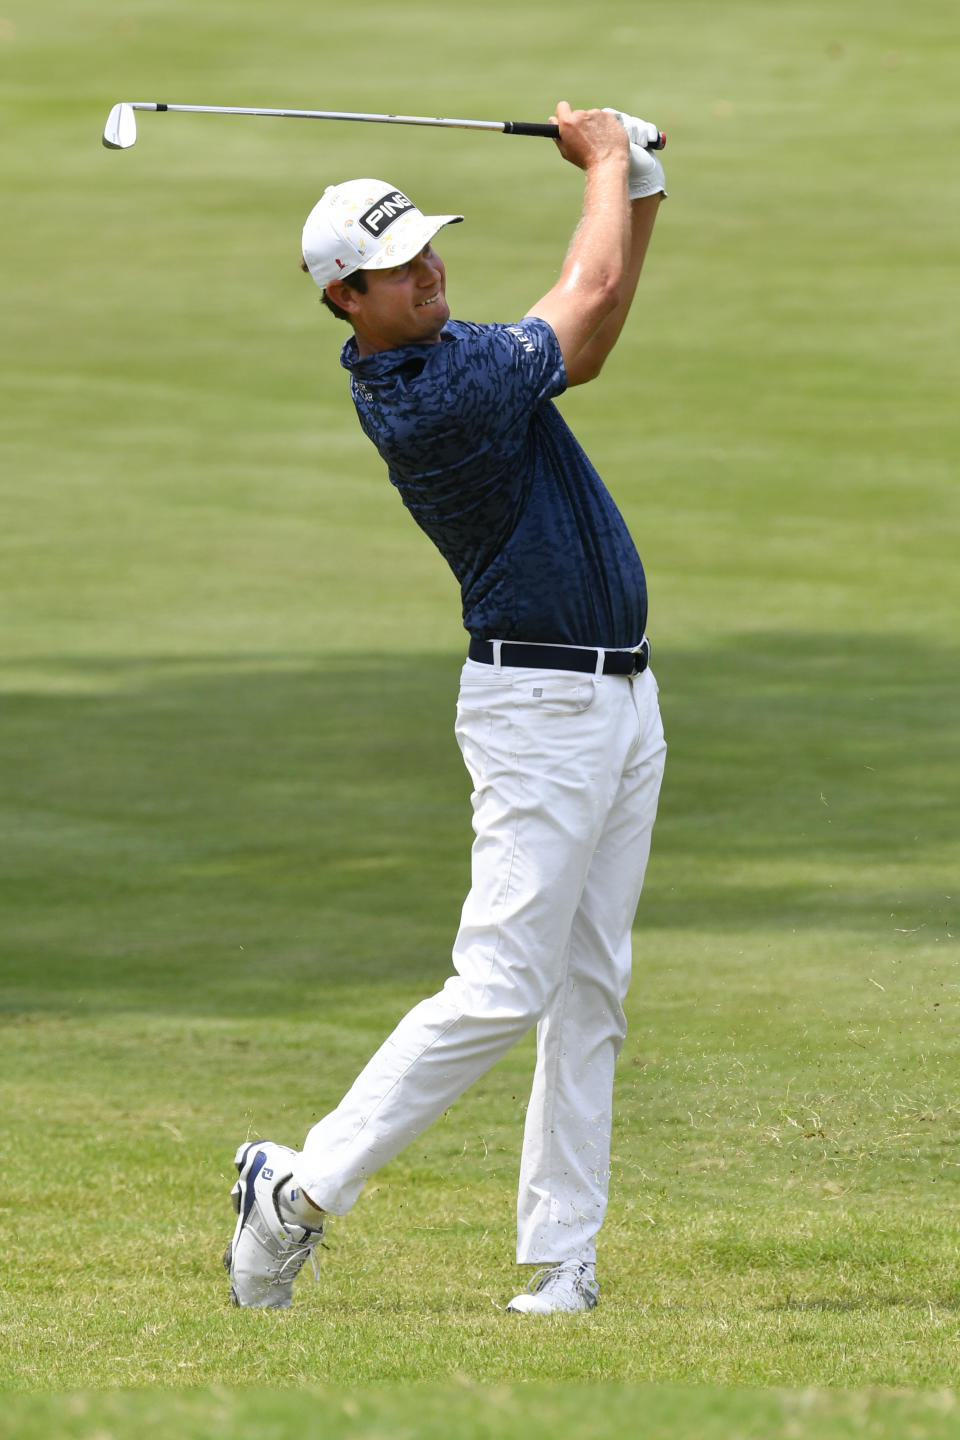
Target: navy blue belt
[(563, 657)]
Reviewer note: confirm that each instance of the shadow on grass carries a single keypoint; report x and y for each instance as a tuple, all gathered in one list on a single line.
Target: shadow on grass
[(241, 834)]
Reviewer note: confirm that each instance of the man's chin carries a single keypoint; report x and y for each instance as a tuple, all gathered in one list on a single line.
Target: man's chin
[(433, 318)]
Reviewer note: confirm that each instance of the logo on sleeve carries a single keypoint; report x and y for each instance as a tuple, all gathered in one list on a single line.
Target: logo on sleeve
[(523, 337), (386, 210)]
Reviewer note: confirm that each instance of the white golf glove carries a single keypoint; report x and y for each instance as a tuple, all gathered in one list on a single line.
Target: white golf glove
[(646, 175)]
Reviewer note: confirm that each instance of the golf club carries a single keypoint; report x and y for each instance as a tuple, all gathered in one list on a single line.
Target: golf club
[(120, 131)]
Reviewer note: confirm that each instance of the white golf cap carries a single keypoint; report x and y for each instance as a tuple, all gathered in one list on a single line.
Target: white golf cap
[(365, 225)]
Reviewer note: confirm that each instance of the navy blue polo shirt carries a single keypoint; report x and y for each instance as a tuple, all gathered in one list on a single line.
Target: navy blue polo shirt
[(490, 470)]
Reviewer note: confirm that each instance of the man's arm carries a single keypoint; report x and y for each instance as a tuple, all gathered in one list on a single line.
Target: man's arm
[(589, 293), (588, 361), (586, 341)]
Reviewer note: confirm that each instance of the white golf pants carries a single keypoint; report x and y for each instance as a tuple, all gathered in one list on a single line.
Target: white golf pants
[(566, 771)]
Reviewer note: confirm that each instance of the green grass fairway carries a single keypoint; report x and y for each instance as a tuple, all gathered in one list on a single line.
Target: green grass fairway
[(498, 1412), (234, 825)]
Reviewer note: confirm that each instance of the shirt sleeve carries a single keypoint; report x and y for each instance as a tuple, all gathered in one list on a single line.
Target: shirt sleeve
[(488, 384), (513, 368), (464, 412)]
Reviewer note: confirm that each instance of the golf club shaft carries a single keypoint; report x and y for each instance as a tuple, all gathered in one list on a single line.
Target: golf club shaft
[(507, 127)]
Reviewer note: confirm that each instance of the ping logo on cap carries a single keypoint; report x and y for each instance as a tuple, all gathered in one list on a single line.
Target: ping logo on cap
[(379, 216)]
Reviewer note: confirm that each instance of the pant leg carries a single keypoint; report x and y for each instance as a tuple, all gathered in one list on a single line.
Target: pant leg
[(536, 745), (565, 1166)]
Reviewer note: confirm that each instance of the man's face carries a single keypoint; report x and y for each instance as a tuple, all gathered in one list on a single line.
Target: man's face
[(405, 305)]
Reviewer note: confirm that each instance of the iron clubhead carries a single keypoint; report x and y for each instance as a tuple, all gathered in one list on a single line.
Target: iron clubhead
[(120, 131)]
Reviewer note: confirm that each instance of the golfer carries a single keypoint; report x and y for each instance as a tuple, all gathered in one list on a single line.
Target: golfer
[(557, 717)]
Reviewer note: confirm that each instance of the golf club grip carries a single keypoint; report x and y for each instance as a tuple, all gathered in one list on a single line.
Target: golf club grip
[(552, 132), (522, 127)]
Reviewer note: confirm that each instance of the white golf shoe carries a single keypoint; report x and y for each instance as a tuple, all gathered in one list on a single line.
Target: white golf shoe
[(266, 1253), (559, 1289)]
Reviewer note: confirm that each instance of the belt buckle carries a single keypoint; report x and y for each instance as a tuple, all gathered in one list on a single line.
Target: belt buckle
[(641, 652)]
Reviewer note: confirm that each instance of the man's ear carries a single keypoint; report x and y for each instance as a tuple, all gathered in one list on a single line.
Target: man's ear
[(343, 295)]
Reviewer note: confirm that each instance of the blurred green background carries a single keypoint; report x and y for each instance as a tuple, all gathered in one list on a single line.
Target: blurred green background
[(233, 821)]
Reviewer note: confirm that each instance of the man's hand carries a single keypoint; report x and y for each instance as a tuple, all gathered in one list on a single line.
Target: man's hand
[(646, 175), (589, 137)]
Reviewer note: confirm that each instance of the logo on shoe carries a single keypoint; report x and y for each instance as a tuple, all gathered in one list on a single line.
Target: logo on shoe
[(267, 1173)]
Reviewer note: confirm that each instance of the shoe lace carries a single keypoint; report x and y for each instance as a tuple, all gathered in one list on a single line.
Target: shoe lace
[(551, 1273), (543, 1277), (294, 1261)]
